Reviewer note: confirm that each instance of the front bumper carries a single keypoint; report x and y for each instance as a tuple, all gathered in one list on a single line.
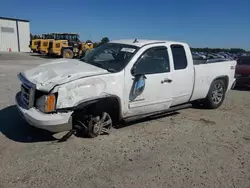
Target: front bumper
[(57, 122)]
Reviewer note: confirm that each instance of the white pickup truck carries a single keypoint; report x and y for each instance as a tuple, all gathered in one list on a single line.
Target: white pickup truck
[(117, 81)]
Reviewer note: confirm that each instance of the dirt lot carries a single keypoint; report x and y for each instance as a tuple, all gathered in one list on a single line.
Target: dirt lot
[(192, 148)]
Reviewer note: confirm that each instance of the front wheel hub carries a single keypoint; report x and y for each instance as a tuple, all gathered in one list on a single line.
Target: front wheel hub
[(67, 54), (100, 125), (97, 128)]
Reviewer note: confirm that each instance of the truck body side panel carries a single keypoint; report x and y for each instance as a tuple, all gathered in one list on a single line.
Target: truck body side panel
[(206, 73)]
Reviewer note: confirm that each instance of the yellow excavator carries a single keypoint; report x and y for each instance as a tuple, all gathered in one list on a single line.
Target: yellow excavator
[(69, 46)]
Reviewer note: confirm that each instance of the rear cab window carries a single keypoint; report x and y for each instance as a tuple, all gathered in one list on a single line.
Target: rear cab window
[(179, 56)]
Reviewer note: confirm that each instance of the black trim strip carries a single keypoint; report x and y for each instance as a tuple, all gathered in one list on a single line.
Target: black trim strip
[(170, 109), (14, 19), (18, 38), (189, 100)]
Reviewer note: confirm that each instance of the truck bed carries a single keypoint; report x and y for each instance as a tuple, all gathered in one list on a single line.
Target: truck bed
[(206, 72), (204, 61)]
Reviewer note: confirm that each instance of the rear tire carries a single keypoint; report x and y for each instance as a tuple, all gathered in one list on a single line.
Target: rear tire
[(67, 53), (216, 95)]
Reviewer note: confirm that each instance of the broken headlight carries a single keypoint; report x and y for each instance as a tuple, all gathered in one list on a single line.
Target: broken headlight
[(46, 103)]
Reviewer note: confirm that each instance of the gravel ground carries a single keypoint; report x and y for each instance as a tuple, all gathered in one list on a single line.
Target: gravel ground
[(191, 148)]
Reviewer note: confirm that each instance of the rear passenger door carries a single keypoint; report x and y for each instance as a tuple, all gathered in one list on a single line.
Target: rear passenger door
[(183, 73)]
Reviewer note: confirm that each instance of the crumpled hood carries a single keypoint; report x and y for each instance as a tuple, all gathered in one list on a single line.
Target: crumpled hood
[(57, 72)]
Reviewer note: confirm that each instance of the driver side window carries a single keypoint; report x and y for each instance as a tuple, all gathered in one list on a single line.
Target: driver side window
[(153, 61)]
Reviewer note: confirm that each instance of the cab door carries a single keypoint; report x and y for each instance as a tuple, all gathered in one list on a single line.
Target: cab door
[(156, 94), (183, 73)]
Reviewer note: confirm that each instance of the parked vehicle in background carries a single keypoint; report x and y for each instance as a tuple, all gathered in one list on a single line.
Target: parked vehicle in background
[(242, 72), (120, 80), (43, 44), (34, 45)]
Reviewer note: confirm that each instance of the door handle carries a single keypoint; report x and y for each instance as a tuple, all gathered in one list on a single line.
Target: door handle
[(166, 80)]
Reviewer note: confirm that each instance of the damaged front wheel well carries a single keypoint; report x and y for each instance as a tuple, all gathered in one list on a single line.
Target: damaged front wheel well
[(111, 105)]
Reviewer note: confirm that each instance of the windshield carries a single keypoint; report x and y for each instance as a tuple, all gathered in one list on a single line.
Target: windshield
[(245, 60), (110, 56)]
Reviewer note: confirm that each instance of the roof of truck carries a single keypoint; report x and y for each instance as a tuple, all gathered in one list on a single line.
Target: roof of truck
[(142, 42)]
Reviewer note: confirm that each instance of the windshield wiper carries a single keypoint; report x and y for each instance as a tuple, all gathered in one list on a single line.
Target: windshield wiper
[(101, 66), (98, 64), (83, 60), (111, 70)]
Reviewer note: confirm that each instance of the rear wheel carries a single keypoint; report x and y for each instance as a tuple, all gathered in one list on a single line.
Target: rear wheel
[(216, 95), (67, 53)]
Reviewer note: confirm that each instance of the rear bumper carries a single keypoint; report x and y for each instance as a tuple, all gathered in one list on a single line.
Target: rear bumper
[(57, 122)]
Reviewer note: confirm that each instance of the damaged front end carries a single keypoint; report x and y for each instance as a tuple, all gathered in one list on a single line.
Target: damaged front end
[(57, 93)]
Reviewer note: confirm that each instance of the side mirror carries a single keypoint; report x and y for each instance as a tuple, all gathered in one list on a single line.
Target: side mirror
[(139, 84)]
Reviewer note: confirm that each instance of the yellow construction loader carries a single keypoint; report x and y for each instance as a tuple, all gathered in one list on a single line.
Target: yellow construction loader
[(34, 45), (43, 44), (69, 46)]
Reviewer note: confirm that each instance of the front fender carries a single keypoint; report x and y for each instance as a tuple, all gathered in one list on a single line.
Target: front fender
[(111, 103), (72, 93)]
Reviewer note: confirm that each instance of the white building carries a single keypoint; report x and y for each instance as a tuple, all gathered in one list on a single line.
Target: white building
[(14, 35)]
